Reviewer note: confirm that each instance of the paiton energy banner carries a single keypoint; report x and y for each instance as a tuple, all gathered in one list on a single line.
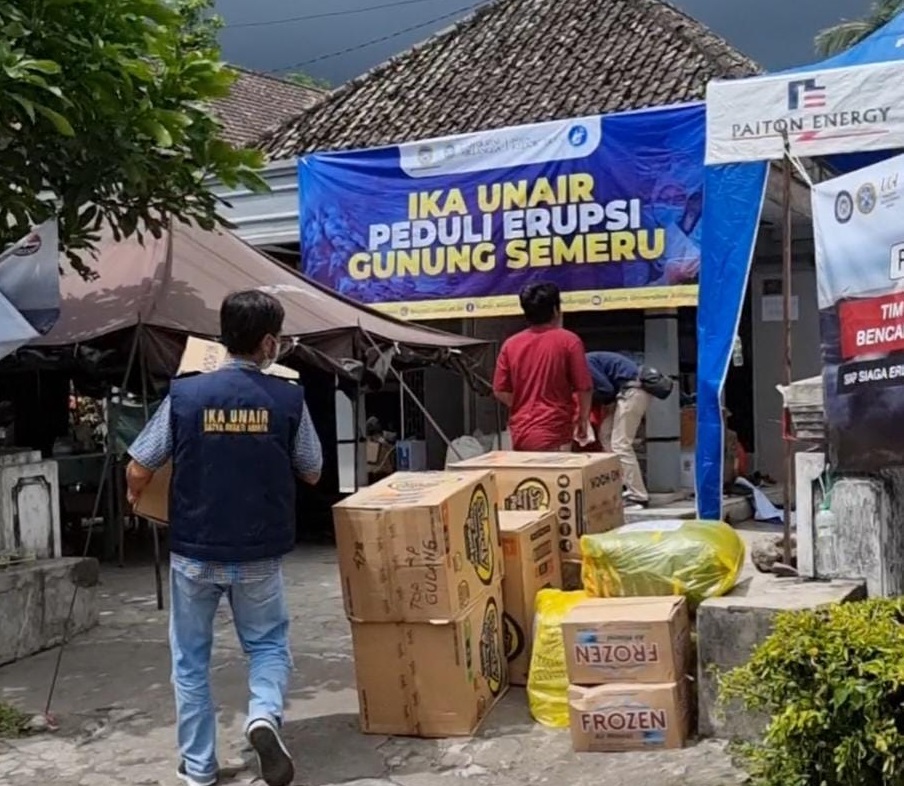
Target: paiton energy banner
[(859, 223), (608, 208)]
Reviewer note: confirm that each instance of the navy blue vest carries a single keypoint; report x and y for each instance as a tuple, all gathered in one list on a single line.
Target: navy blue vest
[(232, 494)]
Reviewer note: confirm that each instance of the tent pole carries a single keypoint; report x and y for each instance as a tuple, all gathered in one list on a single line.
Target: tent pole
[(97, 500), (155, 534), (418, 403), (356, 414), (788, 447), (497, 404)]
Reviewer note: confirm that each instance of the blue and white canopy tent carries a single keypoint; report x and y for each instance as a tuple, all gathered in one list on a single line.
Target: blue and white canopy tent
[(29, 288), (847, 111)]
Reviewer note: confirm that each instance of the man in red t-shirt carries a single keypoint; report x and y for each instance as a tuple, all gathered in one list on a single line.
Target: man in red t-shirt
[(538, 372)]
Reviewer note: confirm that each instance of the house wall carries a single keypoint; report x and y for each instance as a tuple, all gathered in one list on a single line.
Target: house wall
[(267, 218)]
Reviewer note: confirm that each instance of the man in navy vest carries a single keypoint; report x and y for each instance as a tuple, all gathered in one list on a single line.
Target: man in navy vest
[(238, 439)]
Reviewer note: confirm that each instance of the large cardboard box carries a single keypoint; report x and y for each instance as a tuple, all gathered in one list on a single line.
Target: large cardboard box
[(629, 717), (418, 546), (583, 489), (199, 356), (531, 555), (627, 640), (431, 679)]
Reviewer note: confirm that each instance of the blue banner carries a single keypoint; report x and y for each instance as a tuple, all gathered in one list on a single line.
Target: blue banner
[(609, 208)]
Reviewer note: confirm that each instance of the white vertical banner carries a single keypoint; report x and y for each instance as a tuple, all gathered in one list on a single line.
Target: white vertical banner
[(29, 287), (859, 231)]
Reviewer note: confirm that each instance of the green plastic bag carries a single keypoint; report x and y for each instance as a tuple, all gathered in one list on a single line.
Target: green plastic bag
[(697, 559), (547, 683)]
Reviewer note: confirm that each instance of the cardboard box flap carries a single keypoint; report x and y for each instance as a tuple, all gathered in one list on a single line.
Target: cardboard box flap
[(409, 490), (201, 355), (625, 610), (586, 697), (506, 458), (518, 520)]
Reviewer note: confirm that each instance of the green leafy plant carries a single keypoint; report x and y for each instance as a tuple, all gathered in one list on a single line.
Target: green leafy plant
[(13, 722), (105, 118), (846, 34), (833, 683)]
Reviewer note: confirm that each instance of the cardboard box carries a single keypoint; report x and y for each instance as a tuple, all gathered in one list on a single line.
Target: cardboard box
[(629, 717), (380, 458), (531, 557), (583, 489), (688, 427), (418, 546), (627, 640), (201, 356), (431, 679)]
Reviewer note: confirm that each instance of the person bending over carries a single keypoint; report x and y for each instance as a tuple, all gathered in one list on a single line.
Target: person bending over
[(616, 384)]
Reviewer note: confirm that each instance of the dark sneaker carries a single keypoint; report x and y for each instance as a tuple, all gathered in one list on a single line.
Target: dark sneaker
[(192, 781), (636, 504), (275, 762)]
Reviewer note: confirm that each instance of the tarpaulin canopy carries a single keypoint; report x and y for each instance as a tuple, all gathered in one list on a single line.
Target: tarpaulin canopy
[(848, 110), (174, 285)]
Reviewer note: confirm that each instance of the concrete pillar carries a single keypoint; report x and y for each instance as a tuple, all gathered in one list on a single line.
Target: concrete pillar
[(663, 427)]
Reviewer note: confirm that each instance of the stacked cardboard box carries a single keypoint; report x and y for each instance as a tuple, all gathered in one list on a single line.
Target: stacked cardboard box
[(530, 548), (584, 490), (628, 661), (421, 565)]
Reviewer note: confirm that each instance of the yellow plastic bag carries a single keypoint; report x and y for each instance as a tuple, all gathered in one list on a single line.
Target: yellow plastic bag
[(547, 683), (697, 559)]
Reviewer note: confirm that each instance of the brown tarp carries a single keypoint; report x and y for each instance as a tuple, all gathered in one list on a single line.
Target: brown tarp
[(177, 291)]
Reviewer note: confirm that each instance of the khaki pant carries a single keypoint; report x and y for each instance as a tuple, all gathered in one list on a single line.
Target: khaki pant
[(617, 435)]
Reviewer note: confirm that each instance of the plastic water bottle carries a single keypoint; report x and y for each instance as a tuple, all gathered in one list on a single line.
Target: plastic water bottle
[(825, 521), (737, 352)]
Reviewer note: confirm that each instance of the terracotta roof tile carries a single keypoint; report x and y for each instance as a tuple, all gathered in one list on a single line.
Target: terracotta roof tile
[(258, 102), (520, 61)]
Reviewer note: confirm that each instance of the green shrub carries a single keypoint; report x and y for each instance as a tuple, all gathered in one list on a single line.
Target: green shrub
[(13, 722), (833, 683)]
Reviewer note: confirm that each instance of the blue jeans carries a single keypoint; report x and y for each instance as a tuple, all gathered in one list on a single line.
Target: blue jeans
[(262, 624)]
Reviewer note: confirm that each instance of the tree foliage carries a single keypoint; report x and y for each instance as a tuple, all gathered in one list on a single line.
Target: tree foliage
[(105, 118), (843, 36)]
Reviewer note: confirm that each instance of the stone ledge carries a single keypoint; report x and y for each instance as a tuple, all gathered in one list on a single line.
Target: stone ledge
[(34, 604), (730, 628)]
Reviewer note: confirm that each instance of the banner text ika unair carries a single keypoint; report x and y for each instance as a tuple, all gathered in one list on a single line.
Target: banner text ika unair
[(541, 223)]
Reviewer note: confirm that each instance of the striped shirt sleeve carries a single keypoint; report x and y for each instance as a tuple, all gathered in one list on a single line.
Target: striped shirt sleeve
[(307, 456), (154, 445)]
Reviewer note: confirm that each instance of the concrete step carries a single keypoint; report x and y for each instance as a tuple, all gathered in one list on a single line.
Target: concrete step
[(34, 604)]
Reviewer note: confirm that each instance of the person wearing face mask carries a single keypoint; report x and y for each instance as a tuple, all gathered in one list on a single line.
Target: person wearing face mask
[(238, 439)]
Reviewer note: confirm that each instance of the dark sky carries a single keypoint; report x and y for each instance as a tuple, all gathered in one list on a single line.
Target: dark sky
[(777, 33)]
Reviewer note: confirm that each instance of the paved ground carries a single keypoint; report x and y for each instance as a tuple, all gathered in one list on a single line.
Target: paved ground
[(116, 711)]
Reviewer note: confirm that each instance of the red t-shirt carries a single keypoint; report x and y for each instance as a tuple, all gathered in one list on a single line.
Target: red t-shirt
[(542, 368)]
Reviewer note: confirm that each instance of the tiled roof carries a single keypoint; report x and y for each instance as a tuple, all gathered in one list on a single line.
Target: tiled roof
[(257, 102), (520, 61)]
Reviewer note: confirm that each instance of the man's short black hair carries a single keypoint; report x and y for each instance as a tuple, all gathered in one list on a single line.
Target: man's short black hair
[(246, 318), (540, 302)]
